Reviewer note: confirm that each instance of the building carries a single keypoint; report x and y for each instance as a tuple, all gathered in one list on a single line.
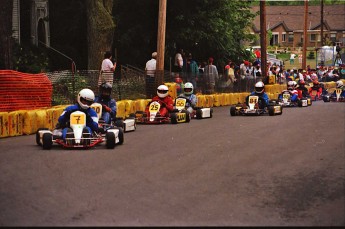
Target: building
[(287, 25)]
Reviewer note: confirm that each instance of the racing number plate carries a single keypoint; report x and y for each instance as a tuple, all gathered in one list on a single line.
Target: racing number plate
[(180, 103), (286, 96), (77, 119), (252, 100), (154, 107), (98, 108), (338, 92), (181, 117)]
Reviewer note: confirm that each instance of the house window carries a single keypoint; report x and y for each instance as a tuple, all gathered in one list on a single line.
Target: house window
[(333, 37), (275, 39), (283, 37), (312, 37), (290, 38)]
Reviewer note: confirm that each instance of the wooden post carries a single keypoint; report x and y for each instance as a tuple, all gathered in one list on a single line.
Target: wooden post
[(263, 42), (305, 36), (161, 41)]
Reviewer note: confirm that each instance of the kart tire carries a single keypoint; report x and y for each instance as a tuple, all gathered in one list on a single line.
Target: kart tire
[(47, 141), (38, 142), (173, 118), (211, 113), (233, 111), (187, 115), (121, 136), (299, 103), (326, 99), (271, 110), (119, 123), (132, 116), (110, 140), (198, 114)]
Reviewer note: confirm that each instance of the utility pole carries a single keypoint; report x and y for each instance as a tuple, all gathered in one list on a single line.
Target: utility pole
[(305, 34), (263, 39), (321, 23), (161, 41)]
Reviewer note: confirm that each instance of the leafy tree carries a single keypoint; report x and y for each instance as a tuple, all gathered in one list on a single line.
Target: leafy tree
[(203, 27)]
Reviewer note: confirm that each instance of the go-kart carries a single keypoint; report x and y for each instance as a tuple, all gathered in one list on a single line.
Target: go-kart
[(315, 95), (253, 108), (77, 137), (330, 97), (152, 116), (127, 124), (198, 112), (285, 101)]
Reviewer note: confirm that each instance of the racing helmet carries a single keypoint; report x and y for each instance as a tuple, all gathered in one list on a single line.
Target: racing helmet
[(259, 87), (105, 90), (85, 98), (290, 85), (301, 82), (188, 88), (316, 82), (340, 84), (162, 91)]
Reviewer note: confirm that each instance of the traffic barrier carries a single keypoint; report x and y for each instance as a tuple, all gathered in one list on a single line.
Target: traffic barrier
[(16, 123), (121, 109), (3, 124), (42, 120), (140, 104), (172, 89), (130, 107), (201, 100), (30, 122), (216, 100)]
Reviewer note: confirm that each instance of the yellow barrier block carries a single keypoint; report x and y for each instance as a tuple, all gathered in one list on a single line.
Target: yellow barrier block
[(226, 99), (209, 100), (140, 104), (42, 120), (121, 109), (3, 124), (216, 100), (201, 100), (272, 79), (172, 89), (15, 122), (268, 88), (30, 122), (130, 107), (57, 111)]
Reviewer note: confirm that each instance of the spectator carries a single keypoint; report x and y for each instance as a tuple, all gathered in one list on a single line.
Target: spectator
[(178, 64), (107, 69), (210, 74), (150, 69), (191, 70), (292, 58)]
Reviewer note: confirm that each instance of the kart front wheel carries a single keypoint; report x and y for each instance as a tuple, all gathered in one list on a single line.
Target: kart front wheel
[(121, 136), (38, 140), (271, 110), (173, 118), (47, 141), (198, 114), (110, 140), (233, 111)]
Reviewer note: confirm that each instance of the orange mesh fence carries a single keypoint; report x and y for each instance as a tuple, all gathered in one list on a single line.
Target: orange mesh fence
[(23, 91)]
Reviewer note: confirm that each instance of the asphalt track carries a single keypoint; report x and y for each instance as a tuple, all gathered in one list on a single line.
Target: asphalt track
[(283, 170)]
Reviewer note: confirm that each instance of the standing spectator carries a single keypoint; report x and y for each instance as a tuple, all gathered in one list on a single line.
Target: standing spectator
[(191, 70), (338, 61), (211, 73), (292, 58), (178, 64), (300, 57), (232, 79), (150, 69), (342, 71), (107, 69)]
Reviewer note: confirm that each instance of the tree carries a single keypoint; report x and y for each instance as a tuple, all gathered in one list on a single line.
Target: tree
[(100, 30), (204, 28), (6, 34)]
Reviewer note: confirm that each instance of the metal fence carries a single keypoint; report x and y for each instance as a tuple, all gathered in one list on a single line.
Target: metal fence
[(130, 83)]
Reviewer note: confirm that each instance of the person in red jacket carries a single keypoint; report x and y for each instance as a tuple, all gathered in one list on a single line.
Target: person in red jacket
[(316, 87), (165, 100)]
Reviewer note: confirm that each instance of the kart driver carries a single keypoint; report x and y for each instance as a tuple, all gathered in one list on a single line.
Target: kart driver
[(108, 104), (165, 100), (302, 90), (260, 91), (191, 98), (339, 85), (84, 100), (291, 88), (316, 87)]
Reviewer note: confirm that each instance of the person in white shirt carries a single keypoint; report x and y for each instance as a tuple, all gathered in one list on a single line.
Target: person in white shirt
[(107, 69), (150, 69)]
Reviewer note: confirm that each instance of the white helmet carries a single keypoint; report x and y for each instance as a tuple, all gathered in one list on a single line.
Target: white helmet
[(340, 84), (162, 91), (259, 87), (189, 87), (85, 98)]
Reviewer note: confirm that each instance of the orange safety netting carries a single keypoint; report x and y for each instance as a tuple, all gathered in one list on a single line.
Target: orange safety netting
[(23, 91)]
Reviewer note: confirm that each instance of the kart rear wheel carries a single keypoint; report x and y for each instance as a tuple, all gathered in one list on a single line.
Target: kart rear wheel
[(233, 111), (211, 113), (299, 103), (121, 136), (199, 114), (187, 115), (326, 99), (173, 118), (110, 140), (47, 141), (271, 110), (38, 142), (119, 123)]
